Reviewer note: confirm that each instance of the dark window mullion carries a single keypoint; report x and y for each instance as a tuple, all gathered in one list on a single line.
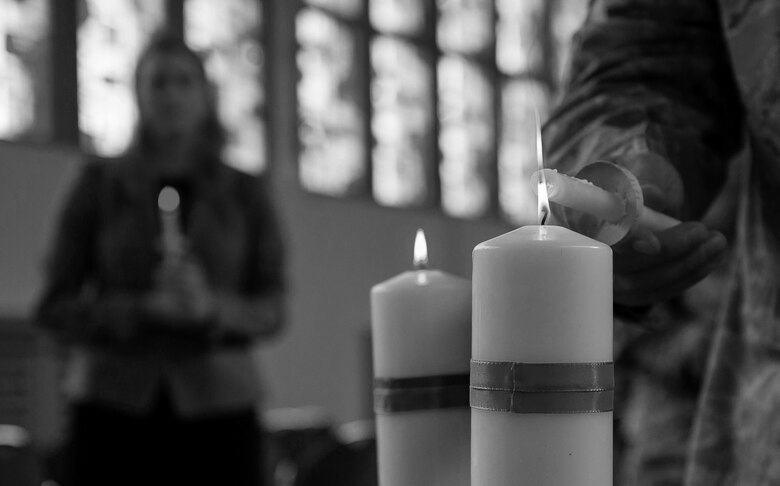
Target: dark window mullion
[(64, 92), (365, 35), (495, 78), (431, 44), (174, 16)]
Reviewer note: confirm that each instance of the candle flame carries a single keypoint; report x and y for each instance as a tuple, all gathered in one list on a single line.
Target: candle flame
[(543, 204), (168, 200), (420, 250)]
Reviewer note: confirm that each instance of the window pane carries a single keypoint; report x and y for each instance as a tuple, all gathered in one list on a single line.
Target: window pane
[(227, 34), (519, 31), (332, 118), (25, 107), (467, 137), (347, 8), (517, 147), (405, 17), (110, 37), (402, 97), (567, 17), (465, 26)]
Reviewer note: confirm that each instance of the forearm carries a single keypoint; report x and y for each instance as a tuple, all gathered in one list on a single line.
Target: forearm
[(125, 320), (114, 318), (651, 89)]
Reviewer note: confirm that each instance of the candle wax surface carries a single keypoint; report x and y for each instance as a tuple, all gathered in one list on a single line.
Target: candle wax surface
[(423, 320), (542, 294)]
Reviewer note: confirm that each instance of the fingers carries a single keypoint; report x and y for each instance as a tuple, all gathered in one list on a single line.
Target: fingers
[(645, 249), (679, 239), (667, 279), (645, 241), (173, 308), (181, 274), (654, 197), (188, 296)]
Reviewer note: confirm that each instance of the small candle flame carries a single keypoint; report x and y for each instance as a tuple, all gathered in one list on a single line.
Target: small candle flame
[(168, 200), (543, 204), (420, 250)]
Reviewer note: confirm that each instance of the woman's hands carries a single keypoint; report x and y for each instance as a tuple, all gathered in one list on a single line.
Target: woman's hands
[(181, 297)]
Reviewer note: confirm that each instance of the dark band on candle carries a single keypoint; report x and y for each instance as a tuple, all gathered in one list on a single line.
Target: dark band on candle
[(393, 395), (542, 387)]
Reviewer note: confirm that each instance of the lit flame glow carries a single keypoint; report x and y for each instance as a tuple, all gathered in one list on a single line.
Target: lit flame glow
[(543, 204), (420, 250), (168, 200)]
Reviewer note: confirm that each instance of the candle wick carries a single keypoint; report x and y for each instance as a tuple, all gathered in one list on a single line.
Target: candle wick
[(421, 264), (544, 213)]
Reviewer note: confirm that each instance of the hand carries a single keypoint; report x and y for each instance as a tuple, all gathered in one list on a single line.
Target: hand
[(653, 267), (662, 187), (181, 296)]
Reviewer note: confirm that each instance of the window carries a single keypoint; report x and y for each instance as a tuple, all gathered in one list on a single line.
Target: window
[(331, 99), (403, 119), (110, 37), (520, 98), (25, 74), (228, 34), (98, 43), (453, 89), (466, 100)]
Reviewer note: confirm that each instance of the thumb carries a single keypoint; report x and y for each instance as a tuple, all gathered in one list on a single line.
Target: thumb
[(654, 197)]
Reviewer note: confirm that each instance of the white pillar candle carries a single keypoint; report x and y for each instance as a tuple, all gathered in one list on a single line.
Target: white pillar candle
[(421, 330), (542, 295)]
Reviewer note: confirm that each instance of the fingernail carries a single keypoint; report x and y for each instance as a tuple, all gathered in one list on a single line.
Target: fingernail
[(715, 245), (718, 242)]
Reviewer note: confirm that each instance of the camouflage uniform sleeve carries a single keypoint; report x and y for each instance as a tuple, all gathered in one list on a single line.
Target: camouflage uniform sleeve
[(651, 88)]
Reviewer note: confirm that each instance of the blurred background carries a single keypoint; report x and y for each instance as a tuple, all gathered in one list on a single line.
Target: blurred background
[(371, 118)]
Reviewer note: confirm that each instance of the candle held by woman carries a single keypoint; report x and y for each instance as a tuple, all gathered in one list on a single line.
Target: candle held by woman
[(421, 330), (172, 240)]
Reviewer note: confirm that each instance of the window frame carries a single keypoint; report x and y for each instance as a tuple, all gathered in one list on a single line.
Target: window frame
[(545, 75)]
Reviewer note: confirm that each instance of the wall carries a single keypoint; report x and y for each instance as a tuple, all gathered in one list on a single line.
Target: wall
[(33, 179)]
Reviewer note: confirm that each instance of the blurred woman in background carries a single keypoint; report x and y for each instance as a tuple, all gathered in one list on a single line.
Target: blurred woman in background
[(160, 375)]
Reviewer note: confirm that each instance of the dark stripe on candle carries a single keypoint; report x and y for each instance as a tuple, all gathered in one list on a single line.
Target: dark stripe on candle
[(542, 402), (393, 395), (542, 387), (540, 377)]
